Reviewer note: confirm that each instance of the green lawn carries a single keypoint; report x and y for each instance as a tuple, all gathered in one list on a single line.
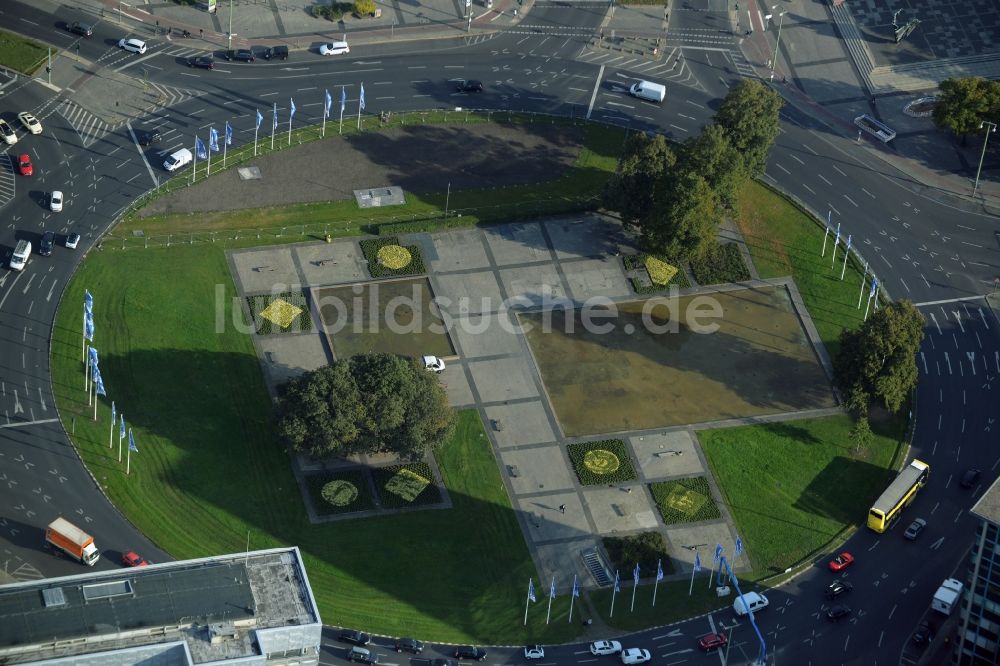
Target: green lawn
[(796, 489), (20, 53), (672, 602), (209, 469)]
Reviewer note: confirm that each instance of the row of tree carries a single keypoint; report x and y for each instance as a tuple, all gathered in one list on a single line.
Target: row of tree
[(676, 195), (964, 103)]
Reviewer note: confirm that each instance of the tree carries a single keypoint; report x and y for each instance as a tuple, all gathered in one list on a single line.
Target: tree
[(645, 160), (368, 404), (749, 116), (713, 157), (684, 221), (879, 360), (861, 434), (364, 7), (964, 103)]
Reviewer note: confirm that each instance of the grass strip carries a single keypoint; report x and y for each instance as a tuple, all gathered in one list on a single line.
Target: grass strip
[(20, 53)]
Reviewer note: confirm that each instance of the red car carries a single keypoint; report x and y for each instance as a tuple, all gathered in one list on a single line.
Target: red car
[(841, 562), (132, 559), (712, 641), (24, 164)]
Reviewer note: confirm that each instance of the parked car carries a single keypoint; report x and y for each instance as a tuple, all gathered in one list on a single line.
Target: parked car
[(56, 201), (469, 86), (355, 637), (924, 632), (45, 249), (470, 652), (534, 652), (712, 641), (202, 62), (149, 138), (24, 164), (242, 55), (30, 122), (838, 613), (433, 363), (970, 477), (915, 528), (334, 48), (72, 240), (837, 588), (7, 132), (276, 52), (80, 28), (598, 648), (841, 562), (132, 45), (409, 645), (632, 656), (362, 656), (131, 558)]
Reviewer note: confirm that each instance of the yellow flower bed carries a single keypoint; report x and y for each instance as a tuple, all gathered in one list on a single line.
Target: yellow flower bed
[(660, 272), (394, 257), (601, 461), (407, 484), (281, 313)]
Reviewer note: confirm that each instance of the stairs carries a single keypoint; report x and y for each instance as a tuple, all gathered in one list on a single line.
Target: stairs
[(595, 565)]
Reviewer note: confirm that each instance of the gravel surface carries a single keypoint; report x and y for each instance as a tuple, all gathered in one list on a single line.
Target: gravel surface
[(419, 158)]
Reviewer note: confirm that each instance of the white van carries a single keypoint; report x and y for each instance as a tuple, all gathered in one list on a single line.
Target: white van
[(178, 159), (754, 602), (651, 92), (20, 257)]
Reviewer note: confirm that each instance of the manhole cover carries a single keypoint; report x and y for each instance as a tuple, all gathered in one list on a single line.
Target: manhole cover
[(249, 173)]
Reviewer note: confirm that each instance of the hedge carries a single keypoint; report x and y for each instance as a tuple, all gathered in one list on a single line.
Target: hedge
[(722, 264), (430, 494), (685, 500), (301, 322), (588, 477)]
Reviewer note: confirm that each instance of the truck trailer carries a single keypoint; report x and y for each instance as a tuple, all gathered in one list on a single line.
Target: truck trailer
[(947, 596), (73, 541)]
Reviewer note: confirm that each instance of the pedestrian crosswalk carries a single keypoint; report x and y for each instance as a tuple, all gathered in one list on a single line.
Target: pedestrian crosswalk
[(7, 182), (89, 126)]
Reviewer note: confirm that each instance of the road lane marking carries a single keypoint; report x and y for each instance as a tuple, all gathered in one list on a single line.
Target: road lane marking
[(597, 84)]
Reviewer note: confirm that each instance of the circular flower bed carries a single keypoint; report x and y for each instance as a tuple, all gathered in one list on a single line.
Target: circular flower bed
[(394, 257), (340, 493), (601, 461)]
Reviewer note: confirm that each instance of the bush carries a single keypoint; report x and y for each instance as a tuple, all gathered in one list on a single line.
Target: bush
[(358, 479), (280, 313), (370, 248), (364, 7), (334, 12), (721, 264), (401, 486), (646, 549), (685, 500), (605, 461)]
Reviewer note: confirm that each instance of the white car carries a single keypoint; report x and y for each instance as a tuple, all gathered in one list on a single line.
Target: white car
[(134, 45), (72, 241), (598, 648), (534, 652), (635, 656), (30, 122), (334, 48), (7, 132), (434, 364), (56, 201)]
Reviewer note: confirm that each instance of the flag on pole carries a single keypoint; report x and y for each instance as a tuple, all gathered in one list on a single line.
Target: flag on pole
[(552, 589), (343, 99), (871, 294), (229, 134), (213, 139), (659, 570), (361, 99), (98, 382), (836, 240), (291, 113), (697, 562), (199, 149), (848, 242), (88, 301), (274, 115), (88, 326), (260, 119), (635, 574), (739, 546), (576, 587), (121, 429), (114, 414), (531, 589), (618, 584), (131, 442), (93, 357), (329, 103)]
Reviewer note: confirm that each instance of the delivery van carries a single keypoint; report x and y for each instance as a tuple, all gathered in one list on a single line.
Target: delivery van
[(178, 159), (651, 92), (751, 601), (19, 259)]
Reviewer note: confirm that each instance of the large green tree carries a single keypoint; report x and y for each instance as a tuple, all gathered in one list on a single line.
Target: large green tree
[(749, 116), (684, 221), (367, 404), (879, 360), (714, 158), (964, 103), (645, 160)]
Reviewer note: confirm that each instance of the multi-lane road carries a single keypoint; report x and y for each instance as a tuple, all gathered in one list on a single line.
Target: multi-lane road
[(939, 254)]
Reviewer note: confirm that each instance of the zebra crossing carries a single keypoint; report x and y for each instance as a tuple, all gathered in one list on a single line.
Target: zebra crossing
[(89, 126), (7, 181)]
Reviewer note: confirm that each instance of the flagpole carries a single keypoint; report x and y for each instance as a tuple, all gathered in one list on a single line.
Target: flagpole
[(843, 269), (120, 438), (691, 586), (325, 114), (85, 333), (552, 588), (256, 131), (712, 575), (868, 304), (862, 292), (655, 585), (635, 586), (274, 122), (572, 598), (208, 171), (95, 401), (341, 130), (86, 381), (527, 601), (111, 435), (614, 591), (194, 171), (826, 233), (128, 456), (289, 129), (225, 144), (833, 262), (359, 107)]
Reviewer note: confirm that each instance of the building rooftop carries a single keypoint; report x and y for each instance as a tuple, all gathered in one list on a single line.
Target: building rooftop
[(988, 506), (190, 612)]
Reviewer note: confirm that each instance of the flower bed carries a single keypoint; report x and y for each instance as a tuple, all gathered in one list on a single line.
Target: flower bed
[(372, 248), (720, 265), (659, 264), (606, 461), (340, 492), (685, 500), (280, 313), (400, 486)]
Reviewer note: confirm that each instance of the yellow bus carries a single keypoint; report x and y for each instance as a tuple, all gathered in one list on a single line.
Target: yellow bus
[(898, 495)]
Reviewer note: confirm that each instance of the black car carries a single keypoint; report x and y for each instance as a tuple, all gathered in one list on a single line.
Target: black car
[(45, 246), (469, 86), (924, 633), (362, 656), (470, 652), (203, 62), (276, 52), (838, 613), (245, 55), (78, 28), (149, 138), (355, 637), (970, 477), (837, 588), (409, 645)]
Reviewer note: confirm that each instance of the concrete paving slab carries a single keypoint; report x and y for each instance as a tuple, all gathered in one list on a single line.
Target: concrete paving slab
[(547, 523), (504, 379), (534, 470), (829, 81), (538, 285), (596, 277), (615, 510), (588, 236), (459, 293), (564, 560), (522, 422), (517, 243), (806, 11), (266, 270), (286, 356), (485, 335), (811, 43), (709, 534), (456, 385), (851, 109), (461, 249), (331, 263), (668, 454)]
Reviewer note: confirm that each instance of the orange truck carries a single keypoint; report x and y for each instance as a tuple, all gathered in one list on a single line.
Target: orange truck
[(73, 541)]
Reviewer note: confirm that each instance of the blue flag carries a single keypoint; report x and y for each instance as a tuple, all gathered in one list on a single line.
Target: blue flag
[(697, 562), (121, 429), (531, 589), (718, 552), (213, 140), (291, 114), (739, 546), (199, 149), (274, 117), (114, 414), (618, 584), (98, 382), (88, 326), (837, 240), (329, 102), (88, 301), (260, 119), (848, 242), (576, 587), (871, 294), (552, 589), (343, 99), (131, 442), (229, 134), (93, 357), (659, 571), (361, 100), (635, 574)]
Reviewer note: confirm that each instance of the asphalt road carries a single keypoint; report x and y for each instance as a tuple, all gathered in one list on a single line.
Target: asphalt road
[(924, 247)]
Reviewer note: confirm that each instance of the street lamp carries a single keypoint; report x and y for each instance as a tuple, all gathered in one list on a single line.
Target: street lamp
[(230, 33), (993, 128), (774, 59)]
